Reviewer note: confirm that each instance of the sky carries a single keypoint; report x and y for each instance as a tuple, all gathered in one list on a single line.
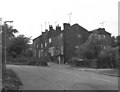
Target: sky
[(31, 16)]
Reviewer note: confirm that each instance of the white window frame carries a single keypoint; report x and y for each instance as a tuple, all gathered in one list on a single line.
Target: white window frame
[(41, 45), (37, 45), (45, 44), (50, 40)]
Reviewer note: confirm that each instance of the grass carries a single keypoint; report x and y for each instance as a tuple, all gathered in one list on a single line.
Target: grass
[(10, 81), (113, 72)]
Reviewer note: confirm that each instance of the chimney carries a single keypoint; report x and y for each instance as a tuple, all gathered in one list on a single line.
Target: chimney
[(66, 26), (43, 33), (50, 27), (58, 28), (46, 30)]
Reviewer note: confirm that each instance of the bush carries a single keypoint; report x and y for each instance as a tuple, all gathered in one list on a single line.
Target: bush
[(38, 61), (74, 61), (108, 58), (10, 81), (23, 60)]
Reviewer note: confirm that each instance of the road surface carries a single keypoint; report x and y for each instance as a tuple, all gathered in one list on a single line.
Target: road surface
[(59, 77)]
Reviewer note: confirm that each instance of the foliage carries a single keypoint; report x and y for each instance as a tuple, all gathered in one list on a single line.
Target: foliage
[(10, 81), (38, 61), (92, 48), (113, 42), (10, 33), (118, 40), (108, 57), (18, 46)]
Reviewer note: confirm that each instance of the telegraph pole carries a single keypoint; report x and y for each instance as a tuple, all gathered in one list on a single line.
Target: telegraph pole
[(4, 46), (45, 25), (55, 23), (41, 29)]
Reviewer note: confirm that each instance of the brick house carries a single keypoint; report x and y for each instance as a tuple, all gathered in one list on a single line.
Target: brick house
[(61, 45), (74, 36), (101, 33)]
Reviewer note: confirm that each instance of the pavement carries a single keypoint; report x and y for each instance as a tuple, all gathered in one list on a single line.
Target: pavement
[(109, 72), (59, 77)]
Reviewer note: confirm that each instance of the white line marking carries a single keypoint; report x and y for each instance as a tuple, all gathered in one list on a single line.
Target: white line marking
[(102, 79)]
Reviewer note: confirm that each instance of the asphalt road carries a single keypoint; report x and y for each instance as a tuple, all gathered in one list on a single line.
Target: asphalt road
[(59, 77)]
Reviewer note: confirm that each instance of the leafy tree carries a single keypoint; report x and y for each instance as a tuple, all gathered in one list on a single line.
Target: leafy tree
[(84, 52), (94, 45), (108, 57), (118, 40), (10, 33), (18, 46)]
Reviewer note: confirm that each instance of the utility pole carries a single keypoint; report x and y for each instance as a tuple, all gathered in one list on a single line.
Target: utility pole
[(45, 25), (4, 47), (70, 17), (55, 23), (41, 29)]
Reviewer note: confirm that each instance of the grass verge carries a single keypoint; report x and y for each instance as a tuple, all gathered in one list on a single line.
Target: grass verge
[(10, 81)]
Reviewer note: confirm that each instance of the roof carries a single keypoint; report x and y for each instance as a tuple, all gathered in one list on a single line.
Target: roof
[(77, 26), (100, 31)]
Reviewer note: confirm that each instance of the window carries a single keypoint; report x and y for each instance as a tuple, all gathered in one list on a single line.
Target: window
[(99, 36), (41, 45), (103, 36), (49, 40), (61, 49), (39, 53), (37, 45), (61, 35), (76, 47), (79, 36), (45, 44)]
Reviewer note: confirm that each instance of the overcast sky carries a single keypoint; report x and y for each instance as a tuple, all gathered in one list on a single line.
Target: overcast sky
[(29, 15)]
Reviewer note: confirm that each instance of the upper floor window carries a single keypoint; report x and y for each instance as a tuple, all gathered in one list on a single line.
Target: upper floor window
[(101, 36), (41, 45), (50, 40), (79, 36), (61, 35), (37, 45), (45, 44)]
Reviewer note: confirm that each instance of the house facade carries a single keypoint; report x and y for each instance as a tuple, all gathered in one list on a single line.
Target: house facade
[(60, 45)]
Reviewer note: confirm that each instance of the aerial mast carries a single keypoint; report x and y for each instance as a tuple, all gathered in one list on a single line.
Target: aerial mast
[(102, 23), (70, 17)]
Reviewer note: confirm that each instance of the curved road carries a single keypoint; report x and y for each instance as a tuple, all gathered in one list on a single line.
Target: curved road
[(60, 77)]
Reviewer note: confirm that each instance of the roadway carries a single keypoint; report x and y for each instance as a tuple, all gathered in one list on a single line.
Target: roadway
[(60, 77)]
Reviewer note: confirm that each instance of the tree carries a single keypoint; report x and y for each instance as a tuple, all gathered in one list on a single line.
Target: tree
[(83, 52), (108, 57), (10, 33), (18, 46), (118, 40), (94, 45)]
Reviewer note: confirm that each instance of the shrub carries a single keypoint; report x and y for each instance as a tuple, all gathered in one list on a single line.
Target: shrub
[(38, 61), (108, 58), (74, 61)]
